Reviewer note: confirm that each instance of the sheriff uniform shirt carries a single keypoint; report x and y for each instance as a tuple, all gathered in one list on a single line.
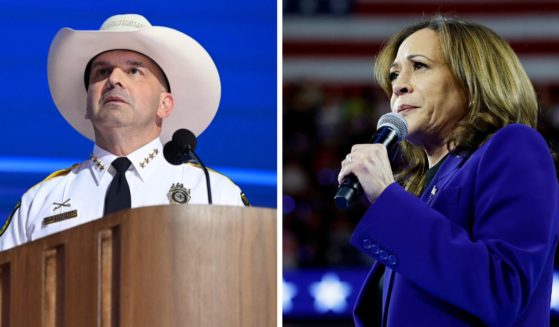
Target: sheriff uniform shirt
[(76, 195)]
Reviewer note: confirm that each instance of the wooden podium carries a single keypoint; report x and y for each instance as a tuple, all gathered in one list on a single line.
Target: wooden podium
[(153, 266)]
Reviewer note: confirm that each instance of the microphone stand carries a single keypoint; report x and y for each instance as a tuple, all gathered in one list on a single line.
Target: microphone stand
[(176, 152), (208, 188)]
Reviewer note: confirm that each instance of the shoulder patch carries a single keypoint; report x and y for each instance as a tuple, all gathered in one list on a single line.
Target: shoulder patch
[(9, 220), (245, 199)]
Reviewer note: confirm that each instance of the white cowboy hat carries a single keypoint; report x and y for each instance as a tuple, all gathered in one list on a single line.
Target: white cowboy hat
[(190, 70)]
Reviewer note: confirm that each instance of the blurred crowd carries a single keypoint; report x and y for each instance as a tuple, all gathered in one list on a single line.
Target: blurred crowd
[(320, 124)]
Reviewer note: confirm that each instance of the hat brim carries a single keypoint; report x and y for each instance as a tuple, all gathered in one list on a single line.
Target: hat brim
[(191, 72)]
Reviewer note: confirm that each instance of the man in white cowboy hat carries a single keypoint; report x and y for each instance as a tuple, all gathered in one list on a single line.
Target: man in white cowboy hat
[(142, 83)]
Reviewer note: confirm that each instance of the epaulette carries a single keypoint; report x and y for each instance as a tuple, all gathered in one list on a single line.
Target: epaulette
[(62, 172), (243, 195), (217, 172)]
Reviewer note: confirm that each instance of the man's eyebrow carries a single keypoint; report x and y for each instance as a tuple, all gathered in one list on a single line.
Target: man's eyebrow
[(135, 63), (103, 63), (100, 63)]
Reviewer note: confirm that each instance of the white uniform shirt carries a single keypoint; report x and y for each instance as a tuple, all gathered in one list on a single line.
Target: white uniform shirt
[(77, 195)]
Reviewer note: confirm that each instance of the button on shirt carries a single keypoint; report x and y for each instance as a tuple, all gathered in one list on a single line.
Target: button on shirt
[(77, 196)]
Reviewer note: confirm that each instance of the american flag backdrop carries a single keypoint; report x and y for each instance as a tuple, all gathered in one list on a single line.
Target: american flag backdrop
[(331, 101), (338, 46)]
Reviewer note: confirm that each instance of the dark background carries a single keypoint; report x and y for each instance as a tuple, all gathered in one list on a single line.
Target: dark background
[(330, 102)]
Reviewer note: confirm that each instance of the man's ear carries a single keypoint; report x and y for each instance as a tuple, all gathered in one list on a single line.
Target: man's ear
[(166, 105)]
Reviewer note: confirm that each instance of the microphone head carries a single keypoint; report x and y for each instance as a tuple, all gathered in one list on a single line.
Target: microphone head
[(184, 138), (173, 153), (176, 150), (396, 122)]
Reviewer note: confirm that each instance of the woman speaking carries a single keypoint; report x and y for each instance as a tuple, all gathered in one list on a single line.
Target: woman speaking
[(467, 235)]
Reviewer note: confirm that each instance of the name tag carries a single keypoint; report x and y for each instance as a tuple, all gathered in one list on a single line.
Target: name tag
[(60, 217)]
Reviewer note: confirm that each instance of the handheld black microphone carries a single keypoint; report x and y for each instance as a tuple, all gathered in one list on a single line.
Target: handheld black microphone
[(181, 150), (391, 129)]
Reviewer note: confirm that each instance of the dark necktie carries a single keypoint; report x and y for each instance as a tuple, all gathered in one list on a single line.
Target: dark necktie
[(118, 193)]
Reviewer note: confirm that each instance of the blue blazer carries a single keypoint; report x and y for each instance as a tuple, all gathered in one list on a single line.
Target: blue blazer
[(477, 248)]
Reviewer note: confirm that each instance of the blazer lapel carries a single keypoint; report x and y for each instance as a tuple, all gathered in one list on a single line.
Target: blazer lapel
[(450, 166)]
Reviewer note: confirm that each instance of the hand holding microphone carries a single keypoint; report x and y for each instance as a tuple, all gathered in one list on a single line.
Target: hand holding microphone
[(370, 162)]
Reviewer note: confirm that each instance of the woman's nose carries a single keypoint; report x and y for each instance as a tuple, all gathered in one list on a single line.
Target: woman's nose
[(401, 85)]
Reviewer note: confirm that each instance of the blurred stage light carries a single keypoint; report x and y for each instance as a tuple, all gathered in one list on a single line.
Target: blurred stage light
[(289, 292), (330, 294), (555, 293), (288, 204)]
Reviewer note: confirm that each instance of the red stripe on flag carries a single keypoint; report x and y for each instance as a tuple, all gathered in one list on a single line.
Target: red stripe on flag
[(474, 8), (326, 49)]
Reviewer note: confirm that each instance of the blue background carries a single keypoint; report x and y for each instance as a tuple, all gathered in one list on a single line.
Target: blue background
[(240, 36)]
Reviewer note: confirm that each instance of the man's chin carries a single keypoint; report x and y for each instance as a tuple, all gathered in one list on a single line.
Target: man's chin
[(107, 122)]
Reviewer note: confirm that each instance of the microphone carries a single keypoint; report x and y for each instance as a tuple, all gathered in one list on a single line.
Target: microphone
[(391, 129), (177, 151), (181, 150)]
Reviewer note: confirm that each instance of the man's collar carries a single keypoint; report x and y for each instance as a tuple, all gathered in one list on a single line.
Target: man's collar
[(144, 160)]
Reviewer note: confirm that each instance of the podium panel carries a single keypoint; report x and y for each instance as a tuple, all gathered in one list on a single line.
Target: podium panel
[(175, 265)]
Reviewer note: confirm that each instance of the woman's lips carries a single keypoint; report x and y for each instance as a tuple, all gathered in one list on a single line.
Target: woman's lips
[(405, 108)]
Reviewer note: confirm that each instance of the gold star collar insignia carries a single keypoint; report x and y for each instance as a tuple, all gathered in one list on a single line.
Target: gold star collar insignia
[(150, 157)]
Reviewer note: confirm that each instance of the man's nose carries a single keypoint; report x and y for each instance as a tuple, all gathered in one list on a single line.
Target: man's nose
[(116, 77)]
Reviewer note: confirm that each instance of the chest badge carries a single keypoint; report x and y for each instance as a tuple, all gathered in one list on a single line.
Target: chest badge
[(178, 194), (60, 205), (60, 217)]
